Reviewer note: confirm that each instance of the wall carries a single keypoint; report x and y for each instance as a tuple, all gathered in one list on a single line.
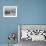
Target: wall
[(29, 12), (7, 25)]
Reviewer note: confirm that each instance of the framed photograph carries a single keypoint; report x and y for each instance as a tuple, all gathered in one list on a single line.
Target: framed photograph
[(9, 11), (31, 32)]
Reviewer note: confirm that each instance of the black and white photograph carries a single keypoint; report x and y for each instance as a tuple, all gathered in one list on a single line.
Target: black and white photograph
[(9, 11), (28, 34)]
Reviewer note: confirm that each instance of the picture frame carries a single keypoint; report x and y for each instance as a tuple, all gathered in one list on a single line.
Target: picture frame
[(9, 11)]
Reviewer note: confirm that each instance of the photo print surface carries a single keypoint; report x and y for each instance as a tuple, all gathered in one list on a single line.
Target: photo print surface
[(33, 32), (9, 11)]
